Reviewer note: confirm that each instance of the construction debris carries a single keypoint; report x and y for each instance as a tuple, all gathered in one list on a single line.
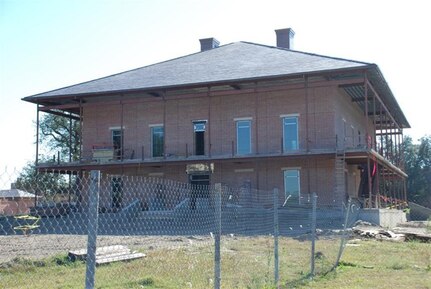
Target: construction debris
[(107, 254), (417, 230), (404, 231)]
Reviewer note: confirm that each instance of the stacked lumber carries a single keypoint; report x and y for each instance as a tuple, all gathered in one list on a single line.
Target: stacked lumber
[(107, 254)]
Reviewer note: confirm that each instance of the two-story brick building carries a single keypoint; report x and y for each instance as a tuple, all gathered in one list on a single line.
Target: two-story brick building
[(246, 115)]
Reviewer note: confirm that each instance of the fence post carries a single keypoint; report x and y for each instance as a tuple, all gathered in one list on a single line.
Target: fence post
[(276, 231), (93, 211), (343, 237), (217, 259), (313, 234)]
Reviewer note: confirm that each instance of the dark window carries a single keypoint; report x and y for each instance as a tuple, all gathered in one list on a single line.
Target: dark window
[(199, 129)]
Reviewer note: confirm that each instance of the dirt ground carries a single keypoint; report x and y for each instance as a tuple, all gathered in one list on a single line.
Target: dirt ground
[(42, 246)]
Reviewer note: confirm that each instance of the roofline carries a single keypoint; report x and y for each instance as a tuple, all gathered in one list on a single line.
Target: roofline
[(115, 74), (371, 67), (173, 86), (310, 53), (387, 87)]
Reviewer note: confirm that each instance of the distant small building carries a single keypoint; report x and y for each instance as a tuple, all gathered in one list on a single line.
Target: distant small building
[(15, 202)]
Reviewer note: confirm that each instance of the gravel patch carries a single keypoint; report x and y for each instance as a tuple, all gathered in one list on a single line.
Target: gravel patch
[(41, 246)]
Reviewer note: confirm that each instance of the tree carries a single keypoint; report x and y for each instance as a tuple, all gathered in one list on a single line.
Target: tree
[(46, 184), (57, 134), (60, 134), (418, 167)]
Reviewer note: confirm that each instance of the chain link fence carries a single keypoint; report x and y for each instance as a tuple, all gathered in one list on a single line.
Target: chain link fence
[(68, 230)]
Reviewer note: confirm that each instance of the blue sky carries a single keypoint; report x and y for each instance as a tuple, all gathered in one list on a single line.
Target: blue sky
[(46, 45)]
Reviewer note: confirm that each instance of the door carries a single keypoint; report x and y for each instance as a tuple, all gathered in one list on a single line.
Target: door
[(117, 193), (199, 128), (199, 189), (292, 188)]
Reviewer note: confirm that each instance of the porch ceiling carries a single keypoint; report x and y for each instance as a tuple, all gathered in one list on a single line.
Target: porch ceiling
[(357, 93)]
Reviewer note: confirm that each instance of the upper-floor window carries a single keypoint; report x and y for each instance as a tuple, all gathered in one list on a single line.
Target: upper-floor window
[(117, 142), (157, 141), (290, 133), (243, 137), (199, 128)]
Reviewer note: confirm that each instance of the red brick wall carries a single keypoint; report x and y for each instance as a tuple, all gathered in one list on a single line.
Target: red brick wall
[(350, 115), (15, 206), (264, 108), (327, 106), (264, 175)]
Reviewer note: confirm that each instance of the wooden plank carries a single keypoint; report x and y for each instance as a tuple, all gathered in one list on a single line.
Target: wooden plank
[(81, 254), (126, 257)]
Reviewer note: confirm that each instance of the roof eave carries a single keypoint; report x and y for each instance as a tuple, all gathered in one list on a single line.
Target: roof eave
[(38, 99), (374, 68)]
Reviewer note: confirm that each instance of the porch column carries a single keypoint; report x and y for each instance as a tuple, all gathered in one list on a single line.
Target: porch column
[(256, 122), (164, 124), (307, 135), (80, 129), (70, 137), (381, 152), (374, 145), (367, 135), (209, 120), (37, 136), (122, 128)]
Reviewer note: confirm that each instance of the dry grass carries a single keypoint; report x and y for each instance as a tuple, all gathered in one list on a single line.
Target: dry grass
[(247, 262)]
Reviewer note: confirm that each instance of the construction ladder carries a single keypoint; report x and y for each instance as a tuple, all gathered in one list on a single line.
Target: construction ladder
[(340, 181)]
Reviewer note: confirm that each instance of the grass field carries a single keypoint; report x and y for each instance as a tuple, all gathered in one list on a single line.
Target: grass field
[(246, 263)]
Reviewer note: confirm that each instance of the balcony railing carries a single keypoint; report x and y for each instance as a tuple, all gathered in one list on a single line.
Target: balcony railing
[(105, 153)]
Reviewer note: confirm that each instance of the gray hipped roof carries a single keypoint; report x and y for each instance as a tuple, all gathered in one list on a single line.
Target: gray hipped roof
[(227, 64), (235, 61), (15, 193)]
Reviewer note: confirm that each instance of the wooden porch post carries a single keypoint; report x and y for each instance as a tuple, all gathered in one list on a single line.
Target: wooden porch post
[(209, 120), (374, 145), (37, 149), (307, 134), (70, 137), (80, 129), (368, 137), (164, 124), (122, 128), (37, 136)]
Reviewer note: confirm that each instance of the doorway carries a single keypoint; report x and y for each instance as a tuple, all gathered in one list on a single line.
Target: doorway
[(199, 134), (116, 192), (199, 189)]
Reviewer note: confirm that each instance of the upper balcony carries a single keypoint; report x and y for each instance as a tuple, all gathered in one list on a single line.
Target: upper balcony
[(387, 147)]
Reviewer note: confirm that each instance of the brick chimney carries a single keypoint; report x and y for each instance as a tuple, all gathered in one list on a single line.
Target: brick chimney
[(208, 43), (285, 38)]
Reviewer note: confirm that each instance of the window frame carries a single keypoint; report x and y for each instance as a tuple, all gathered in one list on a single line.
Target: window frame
[(239, 149), (283, 119), (152, 129), (117, 146), (298, 179), (199, 129)]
